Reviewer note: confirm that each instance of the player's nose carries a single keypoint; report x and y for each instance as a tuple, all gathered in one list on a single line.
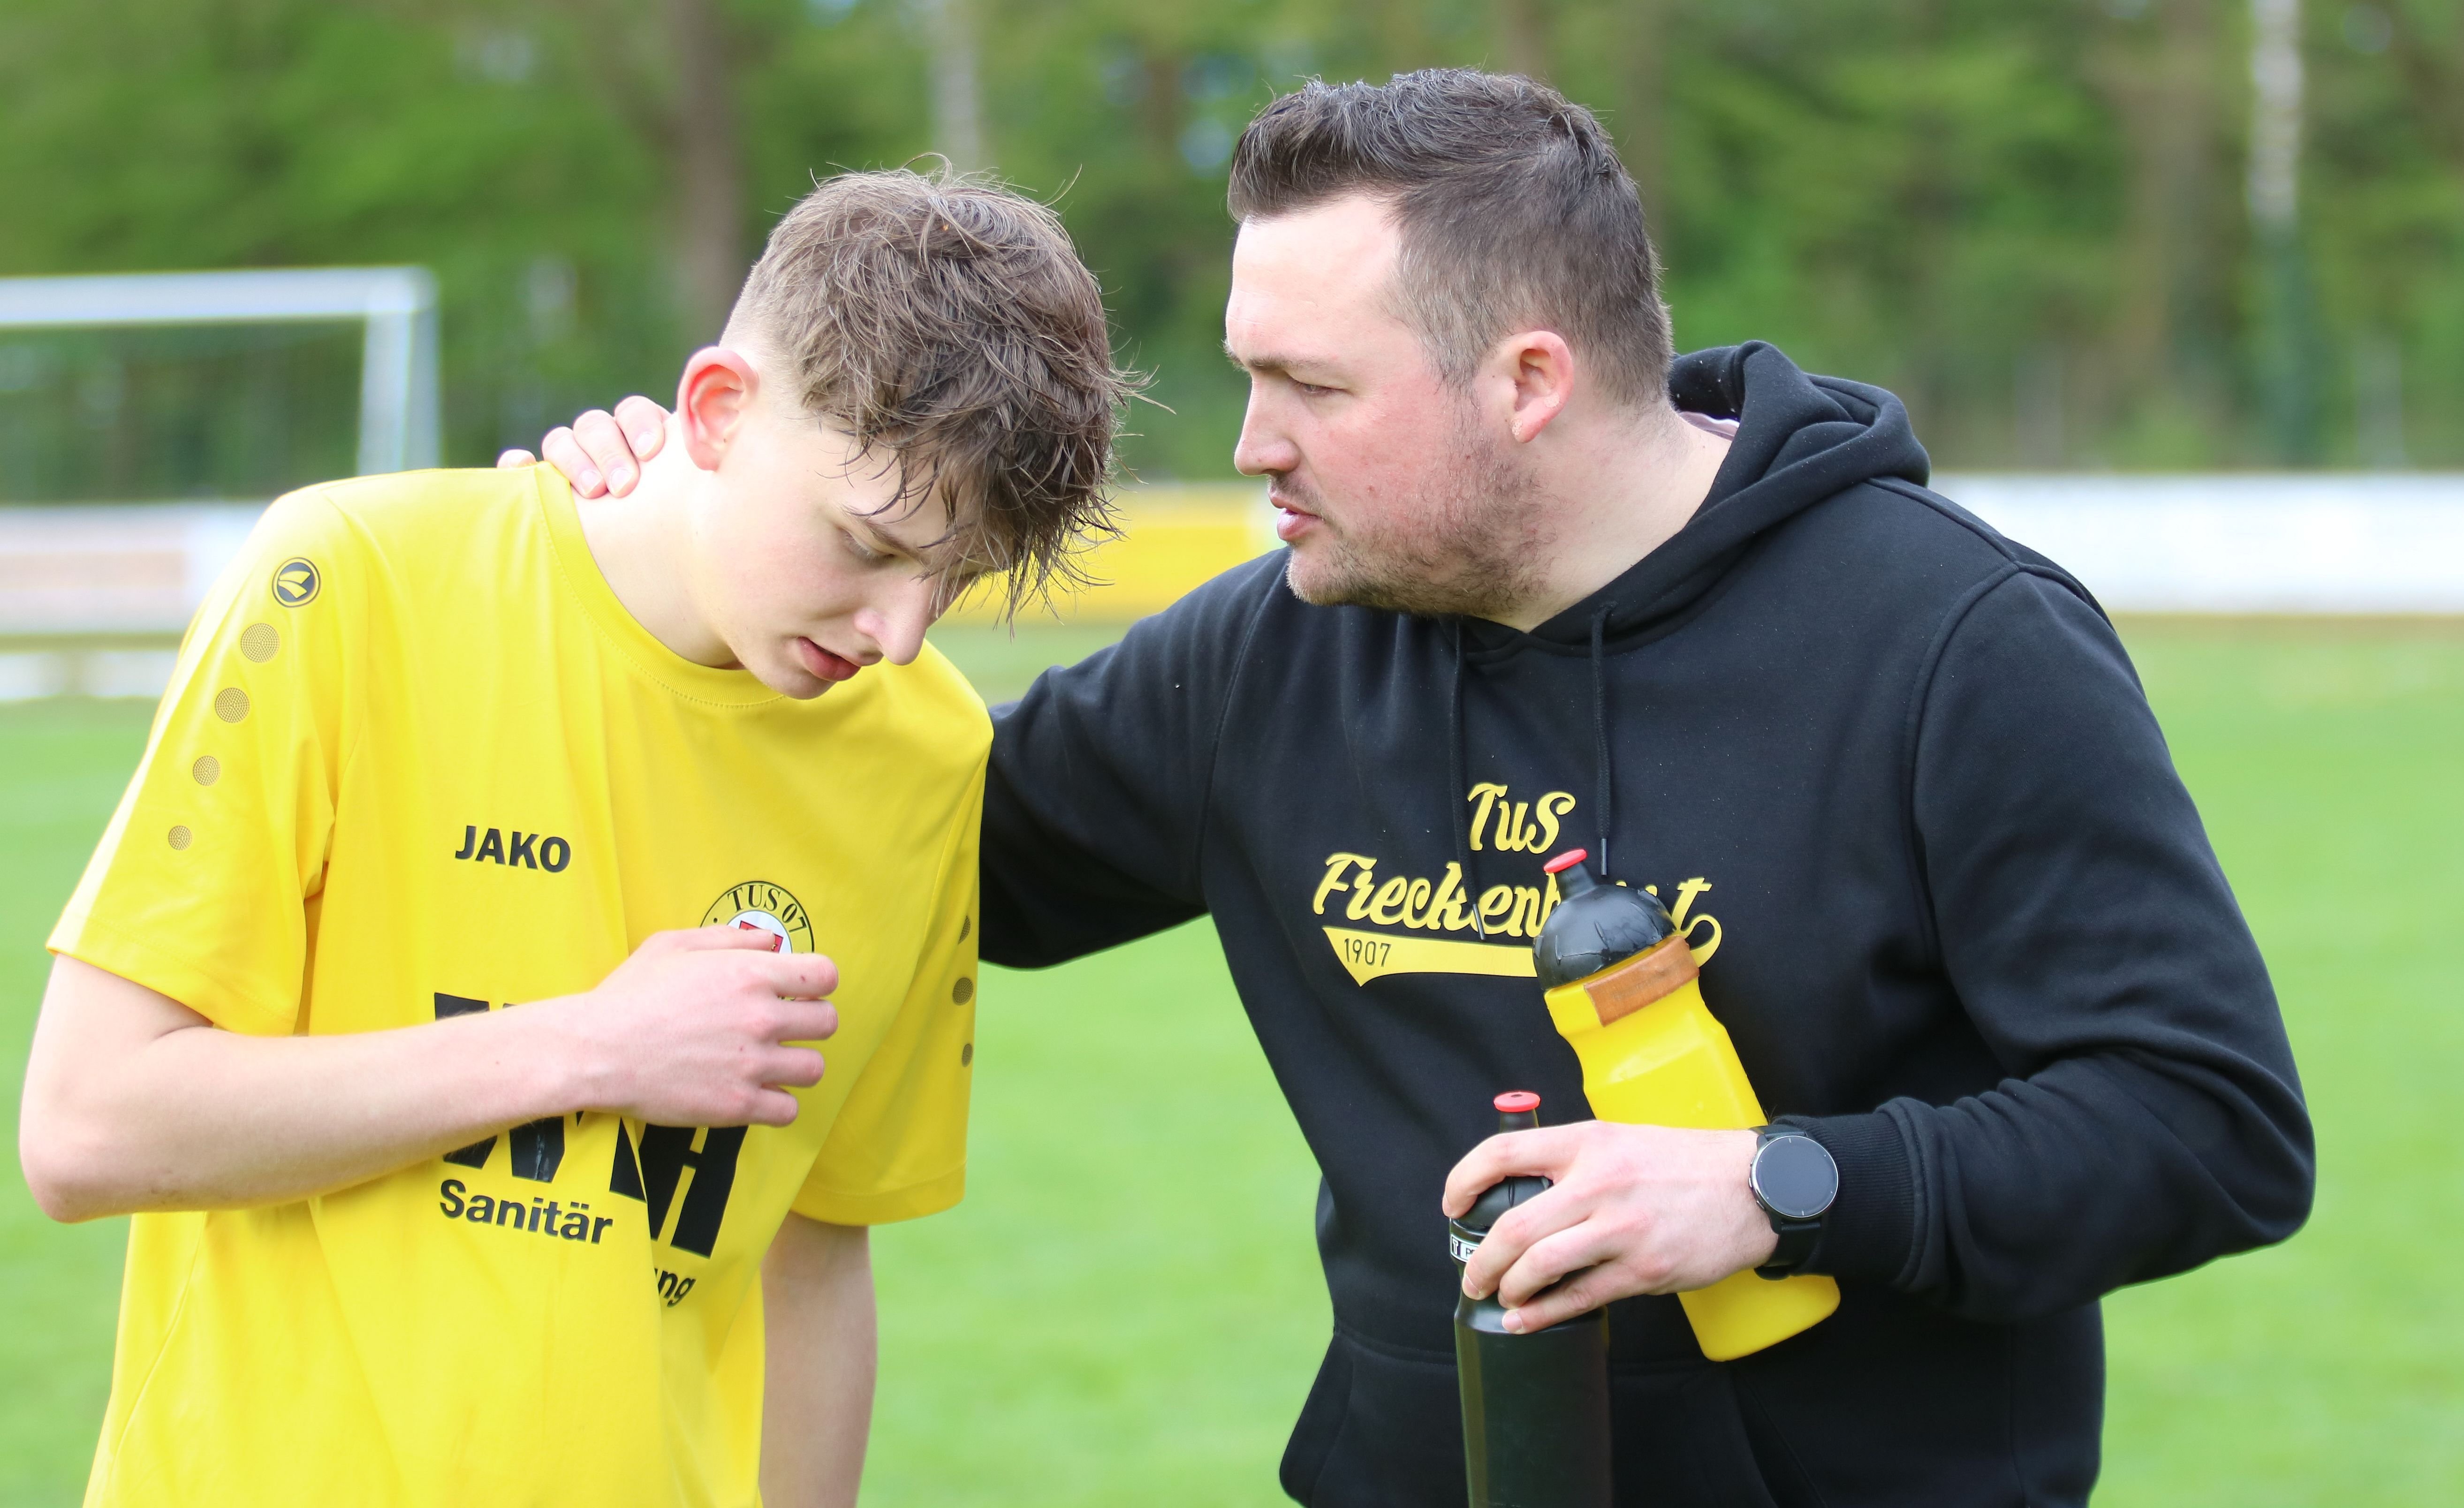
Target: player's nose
[(896, 623)]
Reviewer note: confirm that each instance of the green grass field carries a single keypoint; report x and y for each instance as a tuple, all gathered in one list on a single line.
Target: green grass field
[(1126, 1310)]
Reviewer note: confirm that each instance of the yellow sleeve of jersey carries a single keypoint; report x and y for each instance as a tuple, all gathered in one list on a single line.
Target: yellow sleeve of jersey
[(898, 1148), (203, 881)]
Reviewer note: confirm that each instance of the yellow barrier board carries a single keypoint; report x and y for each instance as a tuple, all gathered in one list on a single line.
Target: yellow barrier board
[(1173, 539)]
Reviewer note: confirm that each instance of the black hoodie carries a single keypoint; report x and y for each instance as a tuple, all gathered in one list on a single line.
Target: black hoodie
[(1894, 775)]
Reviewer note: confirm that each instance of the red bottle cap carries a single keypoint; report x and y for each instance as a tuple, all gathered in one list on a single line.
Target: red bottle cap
[(1564, 861), (1514, 1101)]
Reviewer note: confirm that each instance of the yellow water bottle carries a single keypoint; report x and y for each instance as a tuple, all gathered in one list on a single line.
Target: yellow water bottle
[(1622, 989)]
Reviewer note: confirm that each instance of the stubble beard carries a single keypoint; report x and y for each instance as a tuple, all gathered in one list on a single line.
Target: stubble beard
[(1475, 547)]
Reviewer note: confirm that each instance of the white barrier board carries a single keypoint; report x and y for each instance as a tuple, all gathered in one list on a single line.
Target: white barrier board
[(136, 568), (2316, 544), (2295, 544)]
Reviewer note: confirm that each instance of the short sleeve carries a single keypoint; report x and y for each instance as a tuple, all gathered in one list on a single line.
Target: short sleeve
[(898, 1148), (202, 885)]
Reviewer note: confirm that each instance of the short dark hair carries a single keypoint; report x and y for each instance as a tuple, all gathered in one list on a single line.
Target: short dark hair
[(1512, 204), (948, 324)]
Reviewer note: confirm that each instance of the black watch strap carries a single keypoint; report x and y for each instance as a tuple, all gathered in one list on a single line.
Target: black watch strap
[(1796, 1238), (1798, 1223)]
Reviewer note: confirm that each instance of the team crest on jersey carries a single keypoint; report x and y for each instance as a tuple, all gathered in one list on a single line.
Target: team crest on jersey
[(296, 582), (767, 908)]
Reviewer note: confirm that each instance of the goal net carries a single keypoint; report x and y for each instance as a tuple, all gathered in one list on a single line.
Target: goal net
[(145, 419)]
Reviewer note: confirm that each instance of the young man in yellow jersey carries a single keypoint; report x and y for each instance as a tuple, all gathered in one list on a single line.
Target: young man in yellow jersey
[(440, 997)]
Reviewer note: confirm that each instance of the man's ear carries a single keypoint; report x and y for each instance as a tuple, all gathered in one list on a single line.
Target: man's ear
[(1537, 368), (714, 401)]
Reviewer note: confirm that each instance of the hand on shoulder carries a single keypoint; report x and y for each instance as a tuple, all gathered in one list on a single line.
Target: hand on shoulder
[(602, 454)]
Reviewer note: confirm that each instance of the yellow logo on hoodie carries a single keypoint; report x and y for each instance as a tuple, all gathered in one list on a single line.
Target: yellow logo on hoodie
[(1427, 908)]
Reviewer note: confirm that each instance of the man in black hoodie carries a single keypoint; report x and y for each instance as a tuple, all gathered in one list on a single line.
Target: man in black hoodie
[(1891, 771)]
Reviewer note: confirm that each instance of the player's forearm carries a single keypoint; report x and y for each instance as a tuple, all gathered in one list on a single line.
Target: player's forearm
[(135, 1102), (820, 1344)]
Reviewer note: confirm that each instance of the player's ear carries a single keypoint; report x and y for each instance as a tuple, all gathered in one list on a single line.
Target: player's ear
[(1533, 379), (713, 400)]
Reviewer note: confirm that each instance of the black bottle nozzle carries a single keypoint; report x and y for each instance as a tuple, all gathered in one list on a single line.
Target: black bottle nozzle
[(1574, 877), (1517, 1111)]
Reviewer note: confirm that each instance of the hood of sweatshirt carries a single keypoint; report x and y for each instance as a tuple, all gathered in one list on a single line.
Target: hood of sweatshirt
[(1799, 440), (1893, 777)]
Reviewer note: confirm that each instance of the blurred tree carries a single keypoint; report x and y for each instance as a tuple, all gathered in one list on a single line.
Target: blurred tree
[(958, 88), (709, 170), (1522, 30), (1639, 41), (2160, 69), (2429, 54), (2285, 344)]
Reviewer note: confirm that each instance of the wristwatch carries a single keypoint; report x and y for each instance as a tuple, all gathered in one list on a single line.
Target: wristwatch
[(1794, 1180)]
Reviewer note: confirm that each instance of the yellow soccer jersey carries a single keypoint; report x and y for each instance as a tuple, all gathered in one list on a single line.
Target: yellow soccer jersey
[(417, 760)]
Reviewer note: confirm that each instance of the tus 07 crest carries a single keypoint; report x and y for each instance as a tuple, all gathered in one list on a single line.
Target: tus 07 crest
[(764, 906)]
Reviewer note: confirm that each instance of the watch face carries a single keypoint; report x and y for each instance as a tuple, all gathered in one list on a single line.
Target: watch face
[(1795, 1177)]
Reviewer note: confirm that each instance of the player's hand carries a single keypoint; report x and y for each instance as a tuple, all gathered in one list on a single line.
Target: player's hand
[(602, 454), (1636, 1210), (695, 1029)]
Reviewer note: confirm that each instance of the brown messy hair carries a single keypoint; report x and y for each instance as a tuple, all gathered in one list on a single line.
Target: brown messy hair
[(947, 324), (1511, 203)]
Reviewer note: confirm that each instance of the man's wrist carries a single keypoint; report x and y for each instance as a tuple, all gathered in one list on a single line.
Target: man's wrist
[(1794, 1181), (1870, 1233)]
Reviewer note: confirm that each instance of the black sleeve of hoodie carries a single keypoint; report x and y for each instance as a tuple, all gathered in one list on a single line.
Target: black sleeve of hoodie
[(1096, 790), (2150, 1119)]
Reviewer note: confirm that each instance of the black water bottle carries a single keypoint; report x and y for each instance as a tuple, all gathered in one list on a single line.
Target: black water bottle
[(1535, 1407)]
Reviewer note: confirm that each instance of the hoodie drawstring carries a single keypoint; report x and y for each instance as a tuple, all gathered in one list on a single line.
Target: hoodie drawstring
[(1604, 778), (1607, 784), (1456, 799)]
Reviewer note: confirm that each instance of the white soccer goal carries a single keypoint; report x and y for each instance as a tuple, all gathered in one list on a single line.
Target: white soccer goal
[(396, 306), (89, 591)]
